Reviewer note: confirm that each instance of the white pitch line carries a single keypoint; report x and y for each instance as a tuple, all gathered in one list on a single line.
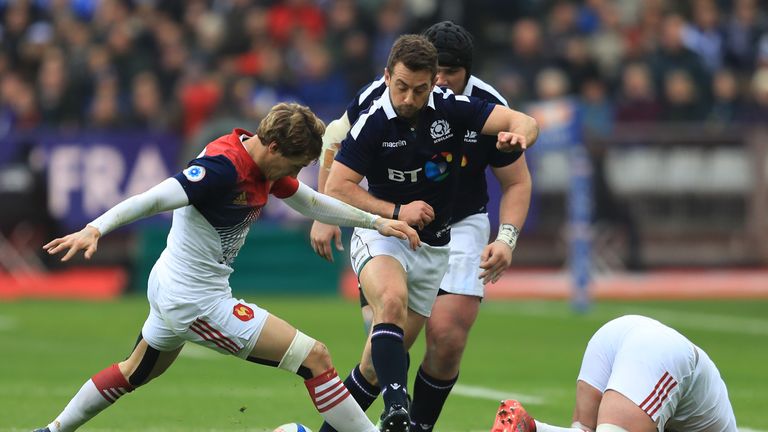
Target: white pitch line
[(496, 395)]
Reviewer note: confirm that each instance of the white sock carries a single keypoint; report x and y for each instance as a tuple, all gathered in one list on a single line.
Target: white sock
[(336, 405), (84, 406), (543, 427), (99, 392)]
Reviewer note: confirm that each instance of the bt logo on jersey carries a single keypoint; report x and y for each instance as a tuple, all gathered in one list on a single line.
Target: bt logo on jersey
[(436, 169), (242, 312), (401, 176)]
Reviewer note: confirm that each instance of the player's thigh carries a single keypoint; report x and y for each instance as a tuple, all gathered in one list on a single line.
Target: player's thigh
[(587, 404), (469, 237), (452, 317), (275, 338), (383, 279), (617, 409)]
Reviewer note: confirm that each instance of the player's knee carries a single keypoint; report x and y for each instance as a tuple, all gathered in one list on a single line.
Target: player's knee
[(393, 309), (319, 359), (445, 343), (305, 356), (138, 374)]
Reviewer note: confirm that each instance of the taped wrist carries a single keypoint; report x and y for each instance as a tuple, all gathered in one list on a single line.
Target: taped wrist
[(508, 234)]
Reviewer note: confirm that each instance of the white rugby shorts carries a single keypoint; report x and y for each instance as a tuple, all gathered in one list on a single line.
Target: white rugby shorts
[(424, 267), (224, 324), (468, 238), (662, 372)]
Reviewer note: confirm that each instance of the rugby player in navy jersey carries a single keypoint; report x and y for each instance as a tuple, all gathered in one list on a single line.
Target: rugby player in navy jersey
[(409, 146), (215, 199)]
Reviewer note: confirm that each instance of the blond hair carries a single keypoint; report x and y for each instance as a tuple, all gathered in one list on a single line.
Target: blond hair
[(294, 128)]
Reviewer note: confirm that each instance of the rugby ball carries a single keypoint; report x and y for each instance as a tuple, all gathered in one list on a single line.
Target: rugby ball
[(292, 427)]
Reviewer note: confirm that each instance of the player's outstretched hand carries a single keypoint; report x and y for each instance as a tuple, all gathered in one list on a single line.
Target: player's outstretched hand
[(495, 259), (399, 229), (86, 239), (321, 235), (417, 214), (509, 142)]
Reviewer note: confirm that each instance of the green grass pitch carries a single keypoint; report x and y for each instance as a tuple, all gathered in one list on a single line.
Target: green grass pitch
[(526, 349)]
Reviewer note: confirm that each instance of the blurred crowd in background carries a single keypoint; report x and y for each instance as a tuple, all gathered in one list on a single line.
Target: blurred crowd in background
[(176, 65), (198, 68)]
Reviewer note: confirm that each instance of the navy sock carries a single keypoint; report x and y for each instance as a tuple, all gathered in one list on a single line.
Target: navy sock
[(429, 395), (361, 390), (389, 361), (364, 392)]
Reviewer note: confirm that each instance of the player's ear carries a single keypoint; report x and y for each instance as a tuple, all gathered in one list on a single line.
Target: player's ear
[(386, 76), (272, 147)]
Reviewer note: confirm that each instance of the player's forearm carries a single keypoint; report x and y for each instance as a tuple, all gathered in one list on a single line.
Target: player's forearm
[(167, 195), (515, 201), (352, 194), (503, 119), (322, 178), (327, 209)]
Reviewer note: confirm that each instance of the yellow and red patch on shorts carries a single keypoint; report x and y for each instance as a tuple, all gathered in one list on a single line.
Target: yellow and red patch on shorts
[(242, 312)]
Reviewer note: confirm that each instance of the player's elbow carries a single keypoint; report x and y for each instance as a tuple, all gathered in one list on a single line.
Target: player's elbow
[(335, 188)]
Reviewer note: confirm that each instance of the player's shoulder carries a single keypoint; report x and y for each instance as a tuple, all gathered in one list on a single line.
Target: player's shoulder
[(227, 152), (481, 89), (370, 92), (374, 118)]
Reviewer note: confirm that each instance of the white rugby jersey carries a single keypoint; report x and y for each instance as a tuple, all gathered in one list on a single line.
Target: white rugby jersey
[(226, 192)]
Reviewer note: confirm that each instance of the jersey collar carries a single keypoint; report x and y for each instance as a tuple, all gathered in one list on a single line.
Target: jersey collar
[(389, 109)]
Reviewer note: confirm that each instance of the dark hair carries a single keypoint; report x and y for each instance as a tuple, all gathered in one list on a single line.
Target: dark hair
[(295, 128), (453, 43), (415, 52)]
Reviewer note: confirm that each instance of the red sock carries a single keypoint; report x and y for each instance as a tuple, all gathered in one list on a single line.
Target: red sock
[(111, 383), (326, 390)]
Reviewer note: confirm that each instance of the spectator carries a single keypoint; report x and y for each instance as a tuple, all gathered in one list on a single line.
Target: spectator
[(526, 60), (727, 105), (637, 101), (742, 33), (672, 55), (682, 102), (704, 36), (756, 110)]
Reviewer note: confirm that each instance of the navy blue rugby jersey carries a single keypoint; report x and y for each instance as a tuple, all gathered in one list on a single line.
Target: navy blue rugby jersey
[(479, 150), (404, 164)]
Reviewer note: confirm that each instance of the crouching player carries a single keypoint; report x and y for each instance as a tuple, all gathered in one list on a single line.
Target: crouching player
[(215, 200), (638, 375)]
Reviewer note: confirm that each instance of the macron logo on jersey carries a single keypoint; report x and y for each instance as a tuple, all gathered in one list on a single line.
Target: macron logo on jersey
[(394, 144), (195, 173), (470, 137)]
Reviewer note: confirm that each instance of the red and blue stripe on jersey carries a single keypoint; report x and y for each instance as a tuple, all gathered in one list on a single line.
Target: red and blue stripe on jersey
[(230, 190)]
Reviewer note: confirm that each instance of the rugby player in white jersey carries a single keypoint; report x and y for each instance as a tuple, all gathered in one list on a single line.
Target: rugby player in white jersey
[(215, 199), (638, 375), (472, 260)]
